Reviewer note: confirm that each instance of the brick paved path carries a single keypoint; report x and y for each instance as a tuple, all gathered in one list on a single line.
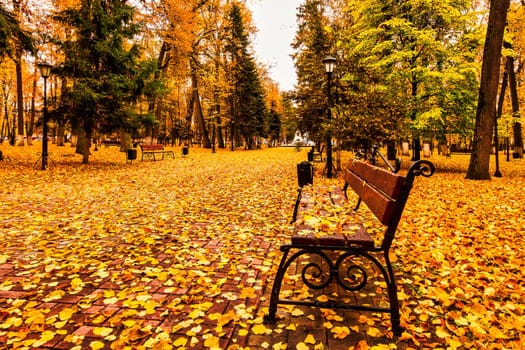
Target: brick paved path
[(178, 253)]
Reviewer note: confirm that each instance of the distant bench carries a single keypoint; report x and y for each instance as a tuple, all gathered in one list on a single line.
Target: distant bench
[(330, 243), (108, 143), (149, 151)]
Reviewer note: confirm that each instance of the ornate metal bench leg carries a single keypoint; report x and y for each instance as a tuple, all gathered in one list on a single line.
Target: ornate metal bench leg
[(394, 311), (276, 289), (394, 302), (296, 206)]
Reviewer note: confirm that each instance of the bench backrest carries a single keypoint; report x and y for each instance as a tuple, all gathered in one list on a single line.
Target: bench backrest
[(152, 147), (384, 193)]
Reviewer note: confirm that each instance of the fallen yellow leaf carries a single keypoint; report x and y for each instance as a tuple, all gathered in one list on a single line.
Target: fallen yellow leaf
[(259, 329)]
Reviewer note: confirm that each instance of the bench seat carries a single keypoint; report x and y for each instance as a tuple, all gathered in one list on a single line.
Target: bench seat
[(328, 229)]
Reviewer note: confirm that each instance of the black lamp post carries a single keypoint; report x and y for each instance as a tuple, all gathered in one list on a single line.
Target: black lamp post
[(45, 71), (329, 63)]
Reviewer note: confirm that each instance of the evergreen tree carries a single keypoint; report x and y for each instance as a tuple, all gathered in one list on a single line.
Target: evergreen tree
[(248, 108), (313, 45), (12, 35), (105, 73)]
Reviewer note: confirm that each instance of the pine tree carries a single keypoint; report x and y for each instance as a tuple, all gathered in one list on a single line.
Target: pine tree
[(104, 70), (248, 108), (12, 35), (313, 45)]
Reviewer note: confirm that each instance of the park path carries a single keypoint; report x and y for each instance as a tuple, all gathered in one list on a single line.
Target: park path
[(181, 253)]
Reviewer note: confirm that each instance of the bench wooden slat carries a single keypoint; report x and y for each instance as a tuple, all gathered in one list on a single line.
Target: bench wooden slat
[(385, 181), (338, 197), (381, 205), (304, 235), (154, 147)]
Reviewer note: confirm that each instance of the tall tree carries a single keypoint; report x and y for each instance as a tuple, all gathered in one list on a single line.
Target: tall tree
[(312, 45), (513, 87), (479, 160), (407, 55), (14, 41), (105, 73), (175, 22), (247, 95), (19, 60), (516, 42)]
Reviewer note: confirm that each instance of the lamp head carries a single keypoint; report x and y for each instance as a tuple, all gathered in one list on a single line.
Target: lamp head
[(329, 63), (45, 69)]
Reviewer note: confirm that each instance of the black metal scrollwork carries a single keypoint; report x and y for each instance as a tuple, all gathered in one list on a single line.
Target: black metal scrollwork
[(316, 276), (353, 279), (423, 168), (349, 275)]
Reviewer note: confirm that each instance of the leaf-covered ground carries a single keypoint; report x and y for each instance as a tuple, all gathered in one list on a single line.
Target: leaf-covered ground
[(181, 254)]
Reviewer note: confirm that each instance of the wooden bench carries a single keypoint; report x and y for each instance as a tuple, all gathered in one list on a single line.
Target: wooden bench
[(332, 248), (149, 150), (109, 142)]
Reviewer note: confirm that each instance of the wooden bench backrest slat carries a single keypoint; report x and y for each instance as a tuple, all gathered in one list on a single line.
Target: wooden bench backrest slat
[(384, 180), (381, 205), (154, 147)]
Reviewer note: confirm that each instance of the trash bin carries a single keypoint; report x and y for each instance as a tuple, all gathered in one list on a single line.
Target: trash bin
[(132, 154), (185, 150), (311, 155), (305, 173)]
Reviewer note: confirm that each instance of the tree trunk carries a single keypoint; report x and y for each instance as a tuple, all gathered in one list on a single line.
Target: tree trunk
[(488, 91), (516, 128), (83, 144), (32, 115), (189, 116), (218, 121), (60, 117), (155, 105), (196, 99), (19, 83), (416, 144), (20, 98), (87, 147), (76, 131)]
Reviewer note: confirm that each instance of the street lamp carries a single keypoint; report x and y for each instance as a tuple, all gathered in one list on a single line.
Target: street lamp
[(45, 71), (329, 63)]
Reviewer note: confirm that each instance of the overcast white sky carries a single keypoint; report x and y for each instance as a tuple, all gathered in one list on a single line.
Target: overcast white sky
[(276, 21)]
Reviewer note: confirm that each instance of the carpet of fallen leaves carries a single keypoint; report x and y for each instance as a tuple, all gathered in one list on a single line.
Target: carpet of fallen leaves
[(181, 253)]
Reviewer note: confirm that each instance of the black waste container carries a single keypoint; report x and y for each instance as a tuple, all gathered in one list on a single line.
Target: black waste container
[(305, 173), (311, 155), (132, 154), (391, 150)]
